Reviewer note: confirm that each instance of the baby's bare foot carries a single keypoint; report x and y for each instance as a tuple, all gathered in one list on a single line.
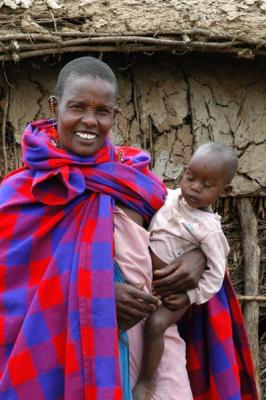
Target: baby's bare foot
[(143, 390)]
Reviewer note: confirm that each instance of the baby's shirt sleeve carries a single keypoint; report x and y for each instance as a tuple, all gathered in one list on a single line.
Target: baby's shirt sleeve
[(216, 249)]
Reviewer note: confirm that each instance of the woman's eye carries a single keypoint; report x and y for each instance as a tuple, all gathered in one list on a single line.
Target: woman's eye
[(75, 107), (207, 185), (103, 111)]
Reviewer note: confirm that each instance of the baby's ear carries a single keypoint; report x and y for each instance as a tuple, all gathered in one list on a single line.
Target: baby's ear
[(184, 168), (227, 190)]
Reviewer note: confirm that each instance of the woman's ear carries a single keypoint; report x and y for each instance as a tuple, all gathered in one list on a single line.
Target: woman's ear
[(227, 190)]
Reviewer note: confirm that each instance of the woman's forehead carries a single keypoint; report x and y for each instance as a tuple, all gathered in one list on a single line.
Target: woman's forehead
[(87, 87)]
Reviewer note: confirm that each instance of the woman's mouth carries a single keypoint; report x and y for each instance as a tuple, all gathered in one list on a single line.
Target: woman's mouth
[(90, 137)]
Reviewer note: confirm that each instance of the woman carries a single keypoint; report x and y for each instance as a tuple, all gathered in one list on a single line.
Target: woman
[(58, 299)]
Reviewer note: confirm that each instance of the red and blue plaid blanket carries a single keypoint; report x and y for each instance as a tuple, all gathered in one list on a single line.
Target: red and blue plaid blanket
[(219, 360), (58, 332)]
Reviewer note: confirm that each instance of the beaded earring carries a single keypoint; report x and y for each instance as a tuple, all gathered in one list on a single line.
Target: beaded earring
[(52, 103), (126, 139), (54, 137), (116, 121)]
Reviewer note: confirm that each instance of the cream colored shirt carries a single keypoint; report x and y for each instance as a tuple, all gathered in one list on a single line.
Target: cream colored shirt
[(178, 228)]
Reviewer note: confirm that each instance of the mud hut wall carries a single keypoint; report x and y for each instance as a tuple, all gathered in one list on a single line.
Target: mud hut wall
[(170, 105)]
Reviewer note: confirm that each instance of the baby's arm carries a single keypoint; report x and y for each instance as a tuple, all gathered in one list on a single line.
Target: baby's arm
[(216, 248)]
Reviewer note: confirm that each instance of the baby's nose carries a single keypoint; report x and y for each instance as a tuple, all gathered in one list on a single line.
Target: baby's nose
[(196, 186)]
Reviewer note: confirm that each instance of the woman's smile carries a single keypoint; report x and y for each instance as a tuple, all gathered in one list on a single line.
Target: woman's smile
[(86, 137)]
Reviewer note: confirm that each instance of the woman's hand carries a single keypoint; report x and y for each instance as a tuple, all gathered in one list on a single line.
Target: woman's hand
[(132, 305), (181, 275)]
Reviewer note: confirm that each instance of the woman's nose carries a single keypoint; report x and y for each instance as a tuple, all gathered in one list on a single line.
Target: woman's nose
[(89, 117)]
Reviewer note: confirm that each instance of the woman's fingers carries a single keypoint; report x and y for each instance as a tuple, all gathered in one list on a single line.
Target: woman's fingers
[(167, 288), (181, 275), (174, 280), (133, 304), (167, 270)]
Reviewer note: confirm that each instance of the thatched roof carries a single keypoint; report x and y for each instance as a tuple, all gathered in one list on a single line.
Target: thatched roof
[(30, 28)]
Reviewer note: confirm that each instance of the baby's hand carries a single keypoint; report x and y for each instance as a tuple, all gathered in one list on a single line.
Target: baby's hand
[(176, 301)]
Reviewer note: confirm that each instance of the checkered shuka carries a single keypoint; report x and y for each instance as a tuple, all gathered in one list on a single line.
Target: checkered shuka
[(58, 331)]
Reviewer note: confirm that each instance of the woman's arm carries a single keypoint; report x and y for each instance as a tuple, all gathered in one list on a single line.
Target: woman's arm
[(181, 275)]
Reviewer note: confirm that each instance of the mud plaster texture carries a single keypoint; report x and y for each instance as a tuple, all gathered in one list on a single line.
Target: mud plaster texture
[(169, 106), (234, 17)]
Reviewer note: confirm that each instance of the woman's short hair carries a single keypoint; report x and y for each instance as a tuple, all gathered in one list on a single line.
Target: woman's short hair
[(85, 66)]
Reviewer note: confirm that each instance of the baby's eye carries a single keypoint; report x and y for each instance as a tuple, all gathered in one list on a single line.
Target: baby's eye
[(207, 185), (190, 178)]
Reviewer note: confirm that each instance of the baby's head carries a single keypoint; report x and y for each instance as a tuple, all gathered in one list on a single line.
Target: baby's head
[(208, 174)]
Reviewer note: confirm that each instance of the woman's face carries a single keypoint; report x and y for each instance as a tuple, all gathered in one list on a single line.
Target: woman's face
[(85, 114)]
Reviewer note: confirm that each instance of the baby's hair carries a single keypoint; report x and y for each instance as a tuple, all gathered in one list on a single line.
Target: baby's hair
[(85, 66), (223, 152)]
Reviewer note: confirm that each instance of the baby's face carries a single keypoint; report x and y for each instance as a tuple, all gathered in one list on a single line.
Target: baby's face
[(203, 181)]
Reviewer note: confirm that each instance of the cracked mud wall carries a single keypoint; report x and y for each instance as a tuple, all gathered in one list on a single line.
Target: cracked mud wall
[(170, 105)]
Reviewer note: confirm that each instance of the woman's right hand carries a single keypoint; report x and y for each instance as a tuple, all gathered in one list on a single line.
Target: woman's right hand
[(133, 304)]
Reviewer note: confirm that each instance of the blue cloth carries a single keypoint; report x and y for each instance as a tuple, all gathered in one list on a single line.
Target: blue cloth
[(123, 349)]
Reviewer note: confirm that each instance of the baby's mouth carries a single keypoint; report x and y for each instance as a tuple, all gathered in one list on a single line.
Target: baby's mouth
[(192, 199)]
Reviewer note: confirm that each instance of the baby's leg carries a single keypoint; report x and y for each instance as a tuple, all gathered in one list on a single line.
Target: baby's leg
[(154, 330)]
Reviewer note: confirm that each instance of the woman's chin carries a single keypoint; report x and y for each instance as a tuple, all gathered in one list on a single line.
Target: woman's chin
[(85, 148)]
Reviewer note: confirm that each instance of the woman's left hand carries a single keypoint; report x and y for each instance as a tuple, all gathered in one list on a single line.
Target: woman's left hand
[(181, 275)]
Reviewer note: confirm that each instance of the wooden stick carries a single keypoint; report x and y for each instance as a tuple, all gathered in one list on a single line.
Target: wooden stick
[(130, 48), (194, 32), (4, 131), (251, 253), (251, 298), (125, 40)]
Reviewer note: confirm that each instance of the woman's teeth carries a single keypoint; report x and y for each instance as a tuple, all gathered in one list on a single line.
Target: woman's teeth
[(86, 136)]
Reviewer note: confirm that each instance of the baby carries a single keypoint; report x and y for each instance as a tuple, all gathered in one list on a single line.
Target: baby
[(186, 222)]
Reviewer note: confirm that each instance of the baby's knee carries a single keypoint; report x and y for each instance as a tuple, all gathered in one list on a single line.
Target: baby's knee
[(155, 325)]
